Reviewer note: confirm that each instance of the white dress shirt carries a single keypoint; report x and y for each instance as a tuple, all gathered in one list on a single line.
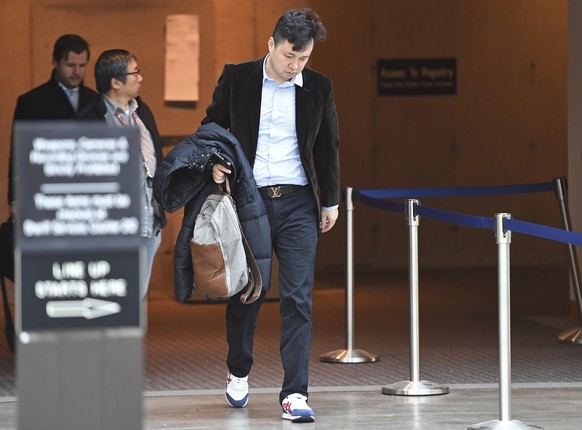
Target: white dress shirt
[(277, 159)]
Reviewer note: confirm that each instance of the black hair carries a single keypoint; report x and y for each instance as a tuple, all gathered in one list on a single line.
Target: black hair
[(69, 43), (300, 28), (112, 64)]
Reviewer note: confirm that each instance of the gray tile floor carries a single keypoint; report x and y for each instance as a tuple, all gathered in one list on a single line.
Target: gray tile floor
[(547, 406), (366, 408)]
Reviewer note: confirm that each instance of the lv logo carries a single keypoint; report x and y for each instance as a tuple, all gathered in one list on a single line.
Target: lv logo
[(275, 192)]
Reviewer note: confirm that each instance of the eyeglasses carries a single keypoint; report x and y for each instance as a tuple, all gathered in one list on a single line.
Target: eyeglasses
[(137, 72)]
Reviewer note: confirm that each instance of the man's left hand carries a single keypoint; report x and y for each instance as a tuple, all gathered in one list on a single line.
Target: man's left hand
[(328, 219)]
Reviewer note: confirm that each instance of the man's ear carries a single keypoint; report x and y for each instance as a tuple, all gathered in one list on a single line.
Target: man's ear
[(271, 44), (115, 84)]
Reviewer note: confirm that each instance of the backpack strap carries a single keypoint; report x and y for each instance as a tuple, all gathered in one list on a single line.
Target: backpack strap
[(252, 291), (255, 285)]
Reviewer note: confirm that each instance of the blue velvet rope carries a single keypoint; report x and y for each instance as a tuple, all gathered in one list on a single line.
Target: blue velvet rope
[(543, 231), (410, 193), (455, 218), (375, 198), (381, 204)]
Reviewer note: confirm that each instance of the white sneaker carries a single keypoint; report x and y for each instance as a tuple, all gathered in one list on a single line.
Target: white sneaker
[(295, 409), (236, 390)]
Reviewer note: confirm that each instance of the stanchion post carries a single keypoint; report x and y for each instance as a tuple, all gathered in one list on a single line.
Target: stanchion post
[(572, 335), (414, 387), (349, 355), (503, 238)]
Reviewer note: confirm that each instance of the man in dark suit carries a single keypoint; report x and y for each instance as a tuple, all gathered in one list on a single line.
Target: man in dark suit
[(285, 120), (119, 80), (62, 95)]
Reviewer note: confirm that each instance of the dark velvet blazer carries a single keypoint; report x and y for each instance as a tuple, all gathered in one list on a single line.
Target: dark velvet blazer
[(236, 106)]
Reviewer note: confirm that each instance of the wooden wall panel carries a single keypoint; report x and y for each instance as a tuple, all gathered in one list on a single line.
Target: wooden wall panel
[(507, 123)]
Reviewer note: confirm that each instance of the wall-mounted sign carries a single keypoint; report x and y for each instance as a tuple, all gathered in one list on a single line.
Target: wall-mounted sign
[(434, 76)]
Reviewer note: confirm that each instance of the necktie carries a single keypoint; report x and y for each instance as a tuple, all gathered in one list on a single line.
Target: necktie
[(72, 94)]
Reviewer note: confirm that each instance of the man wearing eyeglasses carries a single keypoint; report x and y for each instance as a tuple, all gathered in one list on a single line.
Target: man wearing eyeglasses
[(118, 79), (63, 94)]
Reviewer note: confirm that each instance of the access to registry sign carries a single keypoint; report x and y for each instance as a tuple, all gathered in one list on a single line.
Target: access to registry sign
[(417, 77), (78, 213)]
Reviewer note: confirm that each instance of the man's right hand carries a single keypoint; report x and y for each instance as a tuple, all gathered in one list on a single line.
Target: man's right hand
[(219, 173)]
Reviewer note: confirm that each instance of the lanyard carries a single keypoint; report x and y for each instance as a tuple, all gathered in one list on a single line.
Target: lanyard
[(123, 121)]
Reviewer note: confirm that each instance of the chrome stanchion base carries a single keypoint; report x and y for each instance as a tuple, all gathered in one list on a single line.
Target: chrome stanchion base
[(503, 425), (349, 356), (573, 335), (415, 388)]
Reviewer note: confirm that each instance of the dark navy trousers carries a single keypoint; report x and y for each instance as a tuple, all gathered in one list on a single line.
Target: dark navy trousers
[(294, 222)]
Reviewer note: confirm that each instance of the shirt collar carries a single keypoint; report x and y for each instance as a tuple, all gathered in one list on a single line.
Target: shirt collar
[(112, 107), (67, 90), (296, 80)]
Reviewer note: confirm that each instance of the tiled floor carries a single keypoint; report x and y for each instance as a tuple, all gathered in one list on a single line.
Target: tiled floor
[(551, 407)]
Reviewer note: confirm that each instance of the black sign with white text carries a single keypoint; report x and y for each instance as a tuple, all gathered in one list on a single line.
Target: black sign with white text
[(90, 289), (417, 77), (76, 180), (79, 194)]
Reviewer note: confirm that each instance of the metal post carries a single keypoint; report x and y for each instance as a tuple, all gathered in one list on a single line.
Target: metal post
[(349, 355), (572, 335), (414, 387), (503, 238), (503, 242)]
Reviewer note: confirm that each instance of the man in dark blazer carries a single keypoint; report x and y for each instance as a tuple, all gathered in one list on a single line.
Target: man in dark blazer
[(63, 94), (119, 80), (285, 120)]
